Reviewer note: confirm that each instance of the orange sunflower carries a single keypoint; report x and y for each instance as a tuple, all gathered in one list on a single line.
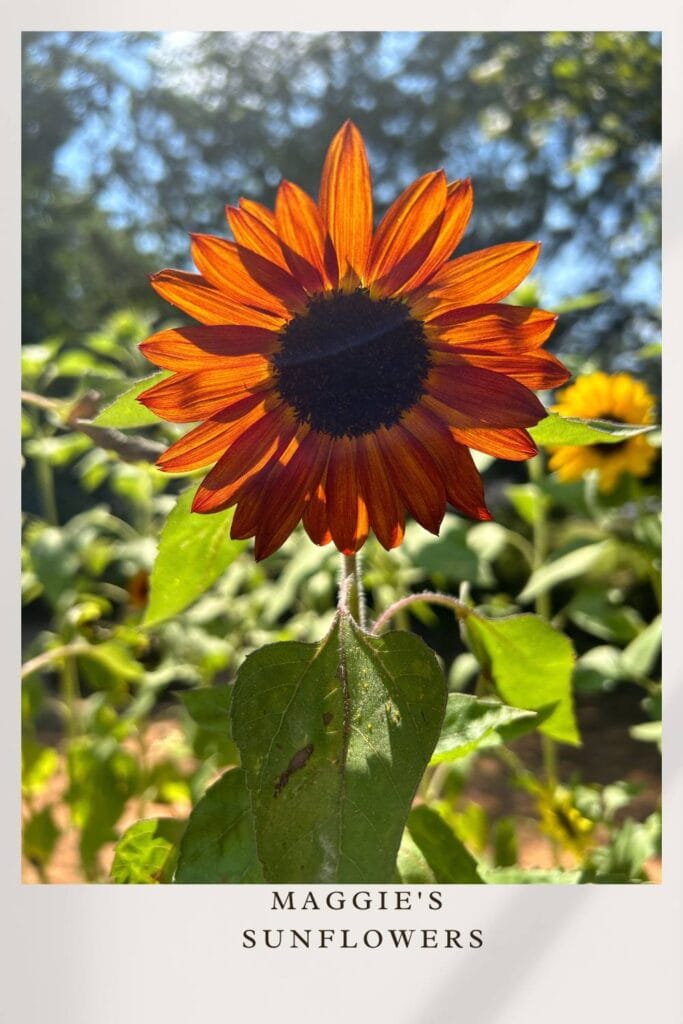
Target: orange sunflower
[(341, 375)]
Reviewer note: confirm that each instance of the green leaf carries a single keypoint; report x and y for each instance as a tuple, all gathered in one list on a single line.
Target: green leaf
[(447, 857), (469, 721), (55, 562), (639, 658), (126, 412), (38, 765), (194, 550), (412, 867), (219, 843), (529, 501), (623, 859), (592, 610), (35, 359), (115, 662), (448, 556), (575, 563), (334, 738), (209, 707), (147, 852), (40, 837), (531, 665), (647, 732), (560, 430), (103, 776), (598, 669), (505, 843), (58, 451)]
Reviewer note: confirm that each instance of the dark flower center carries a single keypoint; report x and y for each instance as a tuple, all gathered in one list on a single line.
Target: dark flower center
[(350, 364)]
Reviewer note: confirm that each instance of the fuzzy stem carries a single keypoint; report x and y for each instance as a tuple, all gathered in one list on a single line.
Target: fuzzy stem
[(351, 594), (53, 654), (461, 610)]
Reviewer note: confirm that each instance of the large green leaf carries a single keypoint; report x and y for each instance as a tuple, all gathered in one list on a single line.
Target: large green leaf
[(147, 852), (125, 411), (219, 844), (560, 430), (531, 665), (334, 738), (448, 858), (194, 550), (470, 721)]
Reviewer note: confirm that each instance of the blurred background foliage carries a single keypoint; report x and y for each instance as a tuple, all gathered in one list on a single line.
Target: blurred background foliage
[(133, 140)]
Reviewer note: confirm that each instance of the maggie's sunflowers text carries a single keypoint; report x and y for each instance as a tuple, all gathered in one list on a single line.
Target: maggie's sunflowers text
[(357, 938)]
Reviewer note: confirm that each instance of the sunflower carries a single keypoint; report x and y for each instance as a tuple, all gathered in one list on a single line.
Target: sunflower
[(619, 398), (341, 375), (561, 820)]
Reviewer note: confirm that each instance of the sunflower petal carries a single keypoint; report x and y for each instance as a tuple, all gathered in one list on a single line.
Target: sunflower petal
[(254, 499), (219, 262), (464, 487), (280, 282), (315, 515), (415, 476), (514, 444), (385, 511), (194, 348), (288, 489), (305, 242), (252, 233), (346, 506), (255, 448), (496, 327), (407, 233), (206, 442), (469, 396), (484, 276), (455, 219), (536, 370), (185, 397), (346, 199), (195, 296), (259, 211)]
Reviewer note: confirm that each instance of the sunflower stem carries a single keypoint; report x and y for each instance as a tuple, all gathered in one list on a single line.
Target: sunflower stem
[(70, 694), (351, 593), (543, 604), (461, 610)]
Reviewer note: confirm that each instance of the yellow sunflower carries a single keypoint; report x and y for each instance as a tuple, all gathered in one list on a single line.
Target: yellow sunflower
[(340, 375), (619, 398), (561, 820)]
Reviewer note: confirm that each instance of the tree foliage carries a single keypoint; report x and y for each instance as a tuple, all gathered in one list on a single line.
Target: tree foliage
[(132, 140)]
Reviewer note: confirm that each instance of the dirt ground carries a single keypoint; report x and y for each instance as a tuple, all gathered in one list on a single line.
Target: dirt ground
[(607, 755)]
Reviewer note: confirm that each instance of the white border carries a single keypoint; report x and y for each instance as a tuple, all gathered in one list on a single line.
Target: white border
[(105, 955)]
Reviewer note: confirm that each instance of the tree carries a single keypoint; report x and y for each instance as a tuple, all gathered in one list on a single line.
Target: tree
[(559, 131)]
